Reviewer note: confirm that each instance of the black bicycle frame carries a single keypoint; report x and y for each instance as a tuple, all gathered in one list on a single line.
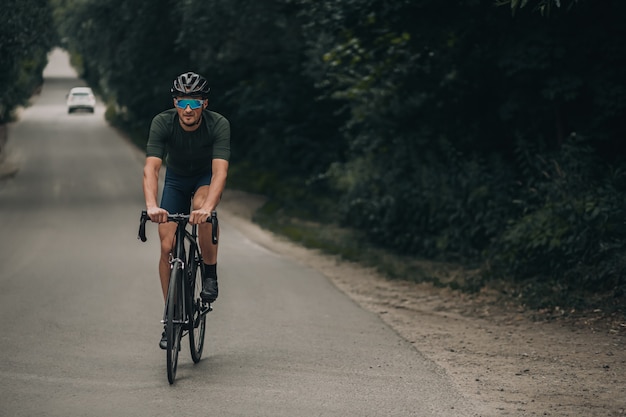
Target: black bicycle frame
[(177, 260), (178, 254)]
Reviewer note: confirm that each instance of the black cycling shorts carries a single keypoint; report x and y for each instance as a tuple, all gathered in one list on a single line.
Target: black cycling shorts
[(178, 190)]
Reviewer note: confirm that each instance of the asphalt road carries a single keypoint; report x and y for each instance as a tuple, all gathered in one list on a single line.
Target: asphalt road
[(80, 302)]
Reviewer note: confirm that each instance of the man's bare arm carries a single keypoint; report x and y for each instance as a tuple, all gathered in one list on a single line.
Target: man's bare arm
[(150, 189), (218, 183)]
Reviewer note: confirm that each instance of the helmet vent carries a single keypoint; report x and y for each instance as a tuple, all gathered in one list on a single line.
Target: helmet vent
[(190, 84)]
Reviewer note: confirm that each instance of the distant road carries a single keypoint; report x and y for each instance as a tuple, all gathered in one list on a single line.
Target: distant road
[(81, 305)]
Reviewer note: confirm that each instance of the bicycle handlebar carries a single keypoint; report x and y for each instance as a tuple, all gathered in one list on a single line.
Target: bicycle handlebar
[(177, 218)]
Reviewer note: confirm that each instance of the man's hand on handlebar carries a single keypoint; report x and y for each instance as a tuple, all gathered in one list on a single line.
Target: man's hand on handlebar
[(157, 214), (199, 216)]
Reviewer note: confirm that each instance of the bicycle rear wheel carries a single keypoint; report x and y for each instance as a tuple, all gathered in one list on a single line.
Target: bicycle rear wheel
[(174, 321), (197, 311)]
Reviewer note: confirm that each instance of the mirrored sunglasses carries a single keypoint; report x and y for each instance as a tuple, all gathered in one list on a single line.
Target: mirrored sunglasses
[(192, 103)]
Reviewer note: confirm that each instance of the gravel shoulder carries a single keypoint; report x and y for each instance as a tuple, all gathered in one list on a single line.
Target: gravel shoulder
[(502, 359)]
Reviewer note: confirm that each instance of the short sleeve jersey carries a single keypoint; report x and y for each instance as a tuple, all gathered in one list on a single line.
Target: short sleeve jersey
[(189, 153)]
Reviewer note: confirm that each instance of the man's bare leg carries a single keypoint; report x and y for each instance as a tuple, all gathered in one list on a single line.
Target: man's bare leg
[(166, 234)]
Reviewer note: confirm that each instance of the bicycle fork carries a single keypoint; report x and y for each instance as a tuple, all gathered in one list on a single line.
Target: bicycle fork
[(181, 287)]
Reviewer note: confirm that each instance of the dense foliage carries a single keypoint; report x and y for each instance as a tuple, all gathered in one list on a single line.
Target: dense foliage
[(26, 35), (445, 129)]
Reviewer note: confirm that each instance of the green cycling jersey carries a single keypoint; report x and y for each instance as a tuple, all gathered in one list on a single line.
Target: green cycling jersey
[(189, 153)]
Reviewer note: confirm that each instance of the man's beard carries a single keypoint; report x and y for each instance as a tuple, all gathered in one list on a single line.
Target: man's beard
[(191, 124)]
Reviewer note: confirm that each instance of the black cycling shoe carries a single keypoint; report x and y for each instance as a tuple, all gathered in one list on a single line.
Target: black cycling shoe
[(163, 342), (209, 289)]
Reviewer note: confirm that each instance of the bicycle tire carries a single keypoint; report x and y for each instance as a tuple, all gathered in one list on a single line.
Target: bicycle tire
[(197, 320), (174, 319)]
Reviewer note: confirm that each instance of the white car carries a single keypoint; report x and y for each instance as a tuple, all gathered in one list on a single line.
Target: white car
[(81, 98)]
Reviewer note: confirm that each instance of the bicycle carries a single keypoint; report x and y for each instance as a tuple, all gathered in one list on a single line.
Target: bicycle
[(185, 311)]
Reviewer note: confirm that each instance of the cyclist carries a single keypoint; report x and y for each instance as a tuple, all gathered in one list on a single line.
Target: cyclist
[(195, 145)]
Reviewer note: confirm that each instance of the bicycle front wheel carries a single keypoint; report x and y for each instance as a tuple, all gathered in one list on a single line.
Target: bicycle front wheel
[(174, 321), (197, 312)]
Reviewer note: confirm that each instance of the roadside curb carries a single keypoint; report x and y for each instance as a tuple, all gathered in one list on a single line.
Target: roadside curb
[(8, 169)]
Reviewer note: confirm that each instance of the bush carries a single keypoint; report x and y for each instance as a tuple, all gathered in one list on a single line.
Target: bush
[(447, 205), (570, 231)]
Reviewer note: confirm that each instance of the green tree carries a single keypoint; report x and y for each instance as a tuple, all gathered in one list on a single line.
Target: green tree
[(26, 35), (545, 7), (127, 51), (441, 102), (254, 55), (429, 118)]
